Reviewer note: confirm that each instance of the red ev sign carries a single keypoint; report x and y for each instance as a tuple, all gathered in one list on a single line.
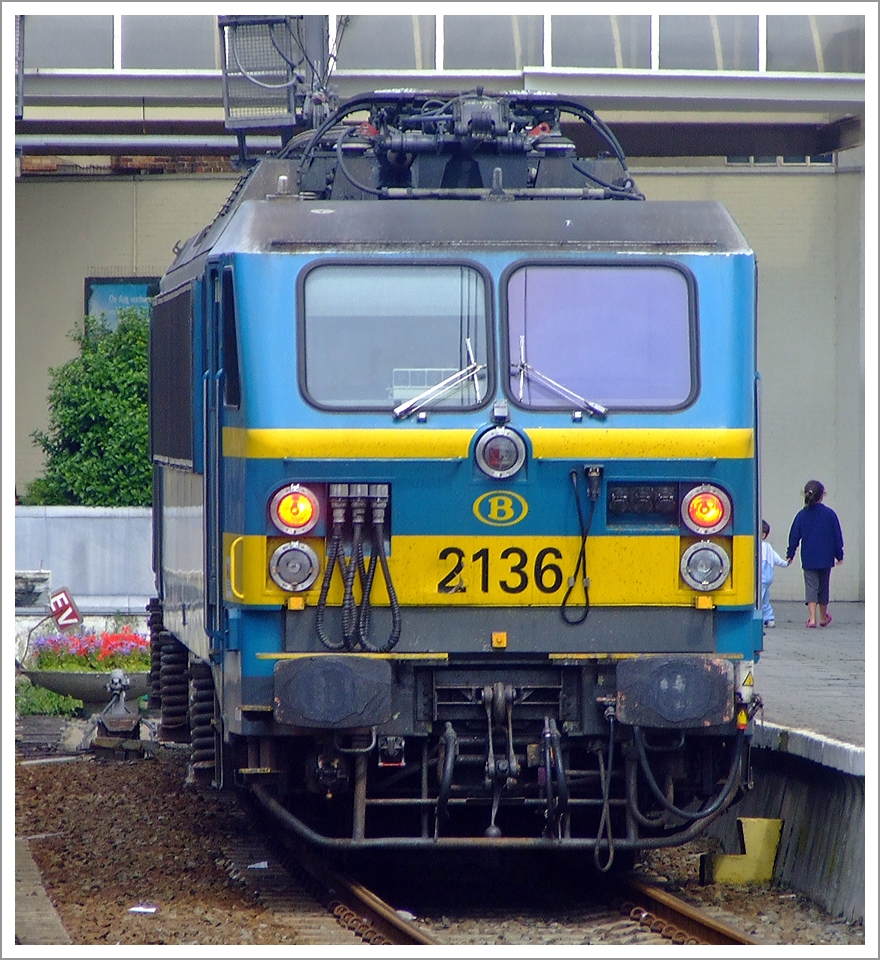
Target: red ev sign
[(63, 609)]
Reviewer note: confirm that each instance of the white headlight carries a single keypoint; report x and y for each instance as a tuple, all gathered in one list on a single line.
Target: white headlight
[(294, 566), (705, 565), (500, 452)]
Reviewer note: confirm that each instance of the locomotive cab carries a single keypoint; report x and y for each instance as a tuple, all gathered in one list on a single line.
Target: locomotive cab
[(456, 505)]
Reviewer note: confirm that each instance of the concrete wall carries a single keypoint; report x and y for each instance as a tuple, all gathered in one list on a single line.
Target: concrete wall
[(102, 555), (67, 230), (807, 229), (822, 848), (806, 225)]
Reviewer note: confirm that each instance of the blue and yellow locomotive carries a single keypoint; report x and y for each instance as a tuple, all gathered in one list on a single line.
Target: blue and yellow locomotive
[(456, 488)]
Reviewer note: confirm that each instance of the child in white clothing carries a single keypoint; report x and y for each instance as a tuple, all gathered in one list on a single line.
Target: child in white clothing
[(769, 559)]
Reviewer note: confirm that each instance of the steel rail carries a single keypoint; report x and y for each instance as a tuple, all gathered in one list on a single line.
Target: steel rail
[(666, 914), (353, 904)]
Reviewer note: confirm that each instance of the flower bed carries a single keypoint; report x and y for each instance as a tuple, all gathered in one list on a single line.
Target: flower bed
[(92, 652)]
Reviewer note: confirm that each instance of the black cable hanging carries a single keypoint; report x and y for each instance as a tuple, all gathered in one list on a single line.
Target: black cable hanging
[(353, 566), (378, 557), (334, 549), (581, 567), (729, 786), (625, 192), (605, 781)]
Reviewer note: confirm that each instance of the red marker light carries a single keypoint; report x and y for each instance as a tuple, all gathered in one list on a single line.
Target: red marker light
[(706, 509), (294, 509)]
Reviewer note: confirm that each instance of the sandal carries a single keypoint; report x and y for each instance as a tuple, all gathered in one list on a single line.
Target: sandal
[(826, 621), (810, 625)]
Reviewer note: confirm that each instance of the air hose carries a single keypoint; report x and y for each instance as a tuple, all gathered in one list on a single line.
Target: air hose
[(730, 785), (556, 805), (450, 747), (561, 778), (379, 501), (605, 781), (548, 776)]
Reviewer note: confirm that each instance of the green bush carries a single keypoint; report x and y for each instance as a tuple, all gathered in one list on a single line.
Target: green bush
[(31, 700), (97, 445)]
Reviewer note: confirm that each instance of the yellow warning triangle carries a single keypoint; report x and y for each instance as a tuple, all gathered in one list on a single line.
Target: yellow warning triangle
[(749, 680)]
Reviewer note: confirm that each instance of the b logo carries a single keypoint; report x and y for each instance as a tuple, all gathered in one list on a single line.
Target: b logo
[(500, 508)]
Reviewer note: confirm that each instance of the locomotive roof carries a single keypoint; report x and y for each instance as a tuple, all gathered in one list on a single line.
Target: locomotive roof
[(259, 220)]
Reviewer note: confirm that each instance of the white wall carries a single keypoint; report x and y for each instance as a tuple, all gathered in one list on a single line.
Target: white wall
[(67, 230), (102, 555), (807, 230)]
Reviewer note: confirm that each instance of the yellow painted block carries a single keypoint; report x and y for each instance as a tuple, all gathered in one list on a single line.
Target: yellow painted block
[(499, 640), (759, 838)]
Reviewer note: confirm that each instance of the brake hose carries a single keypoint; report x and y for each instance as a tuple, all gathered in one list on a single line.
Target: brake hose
[(548, 776), (450, 746), (717, 804), (561, 776)]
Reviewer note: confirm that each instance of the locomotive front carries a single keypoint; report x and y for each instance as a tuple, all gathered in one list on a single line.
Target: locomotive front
[(472, 442)]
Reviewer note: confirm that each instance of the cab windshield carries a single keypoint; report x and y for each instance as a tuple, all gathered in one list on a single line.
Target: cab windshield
[(401, 337), (600, 337)]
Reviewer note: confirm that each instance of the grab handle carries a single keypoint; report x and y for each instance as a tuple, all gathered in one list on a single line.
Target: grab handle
[(232, 577)]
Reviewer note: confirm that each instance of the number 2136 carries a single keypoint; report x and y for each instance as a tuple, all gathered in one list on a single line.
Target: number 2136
[(515, 570)]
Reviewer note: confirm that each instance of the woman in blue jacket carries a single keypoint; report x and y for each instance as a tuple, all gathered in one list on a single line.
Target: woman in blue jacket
[(817, 529)]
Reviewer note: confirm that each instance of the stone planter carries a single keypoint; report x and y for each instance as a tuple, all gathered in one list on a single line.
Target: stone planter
[(90, 687)]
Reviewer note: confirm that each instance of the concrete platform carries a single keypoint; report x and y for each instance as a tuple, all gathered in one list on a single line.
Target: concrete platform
[(812, 683), (811, 773), (36, 920)]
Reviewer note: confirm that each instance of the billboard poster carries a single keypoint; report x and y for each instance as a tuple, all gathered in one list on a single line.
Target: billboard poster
[(105, 296)]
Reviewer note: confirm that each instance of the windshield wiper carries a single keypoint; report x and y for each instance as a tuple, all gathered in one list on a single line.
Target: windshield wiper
[(444, 387), (527, 371)]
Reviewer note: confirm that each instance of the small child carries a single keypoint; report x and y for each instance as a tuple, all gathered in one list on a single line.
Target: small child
[(769, 559)]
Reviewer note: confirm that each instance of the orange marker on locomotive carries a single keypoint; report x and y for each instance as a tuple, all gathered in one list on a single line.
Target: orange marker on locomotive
[(456, 485)]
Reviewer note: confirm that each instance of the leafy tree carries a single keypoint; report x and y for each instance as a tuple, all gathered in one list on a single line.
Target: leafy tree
[(97, 445)]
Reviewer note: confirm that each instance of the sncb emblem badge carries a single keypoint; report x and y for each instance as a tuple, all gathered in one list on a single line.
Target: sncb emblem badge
[(500, 508)]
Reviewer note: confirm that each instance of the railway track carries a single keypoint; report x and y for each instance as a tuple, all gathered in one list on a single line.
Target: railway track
[(329, 906), (312, 903), (639, 912), (674, 919)]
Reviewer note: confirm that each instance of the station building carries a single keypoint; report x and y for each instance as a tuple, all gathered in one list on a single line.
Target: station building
[(123, 149)]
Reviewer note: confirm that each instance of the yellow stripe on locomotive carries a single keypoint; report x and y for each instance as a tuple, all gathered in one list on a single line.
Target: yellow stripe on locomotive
[(463, 571), (551, 443)]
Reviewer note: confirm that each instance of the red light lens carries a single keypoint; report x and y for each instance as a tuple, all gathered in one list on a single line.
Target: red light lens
[(706, 510), (294, 509)]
